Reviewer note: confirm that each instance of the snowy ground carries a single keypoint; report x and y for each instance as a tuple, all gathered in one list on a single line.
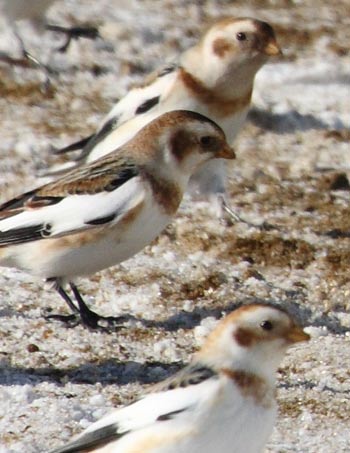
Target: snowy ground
[(291, 173)]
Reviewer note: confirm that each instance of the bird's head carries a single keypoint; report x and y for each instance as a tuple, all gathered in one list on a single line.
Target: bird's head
[(184, 140), (253, 338), (231, 52)]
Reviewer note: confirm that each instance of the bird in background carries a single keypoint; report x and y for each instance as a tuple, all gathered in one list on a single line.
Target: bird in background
[(102, 213), (215, 77), (35, 12), (223, 401)]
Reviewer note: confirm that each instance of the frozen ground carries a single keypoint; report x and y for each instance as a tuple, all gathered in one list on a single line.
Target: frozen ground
[(291, 173)]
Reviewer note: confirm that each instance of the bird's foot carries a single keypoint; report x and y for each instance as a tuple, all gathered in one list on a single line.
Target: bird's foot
[(82, 313), (91, 320), (94, 321), (84, 31)]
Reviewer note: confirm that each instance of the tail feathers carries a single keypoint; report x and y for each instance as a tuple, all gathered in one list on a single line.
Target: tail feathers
[(21, 235), (76, 146)]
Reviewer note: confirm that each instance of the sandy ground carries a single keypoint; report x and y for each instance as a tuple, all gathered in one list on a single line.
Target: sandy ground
[(291, 176)]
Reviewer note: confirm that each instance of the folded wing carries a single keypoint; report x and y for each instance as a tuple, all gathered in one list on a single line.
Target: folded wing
[(92, 195)]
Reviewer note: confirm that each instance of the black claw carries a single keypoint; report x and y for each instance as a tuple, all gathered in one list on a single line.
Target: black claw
[(91, 320), (97, 322)]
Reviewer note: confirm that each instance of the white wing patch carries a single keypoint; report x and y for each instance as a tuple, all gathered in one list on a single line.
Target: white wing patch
[(77, 212)]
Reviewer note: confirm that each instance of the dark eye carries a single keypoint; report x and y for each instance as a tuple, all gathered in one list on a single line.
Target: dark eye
[(207, 141), (241, 36), (266, 325)]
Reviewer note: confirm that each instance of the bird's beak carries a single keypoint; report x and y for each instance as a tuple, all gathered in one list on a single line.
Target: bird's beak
[(272, 49), (226, 152), (297, 334)]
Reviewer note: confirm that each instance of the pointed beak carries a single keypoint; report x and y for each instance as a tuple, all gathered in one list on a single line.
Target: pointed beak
[(296, 335), (272, 49), (226, 152)]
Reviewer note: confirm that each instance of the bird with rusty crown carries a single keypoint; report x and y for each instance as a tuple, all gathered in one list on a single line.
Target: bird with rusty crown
[(215, 77), (104, 212), (223, 401)]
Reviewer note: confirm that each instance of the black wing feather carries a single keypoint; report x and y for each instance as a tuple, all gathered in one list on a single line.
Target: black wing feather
[(102, 220), (167, 70), (170, 415), (91, 440), (104, 175), (74, 146), (16, 202), (192, 374), (147, 105), (95, 139), (24, 234)]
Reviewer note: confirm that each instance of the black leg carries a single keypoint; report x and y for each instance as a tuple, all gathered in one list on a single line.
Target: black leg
[(91, 319), (88, 317), (33, 61), (235, 217), (73, 318), (67, 299), (82, 312)]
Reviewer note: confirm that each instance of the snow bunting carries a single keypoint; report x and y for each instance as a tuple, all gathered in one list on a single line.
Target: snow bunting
[(104, 212), (34, 11), (214, 78), (223, 401)]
